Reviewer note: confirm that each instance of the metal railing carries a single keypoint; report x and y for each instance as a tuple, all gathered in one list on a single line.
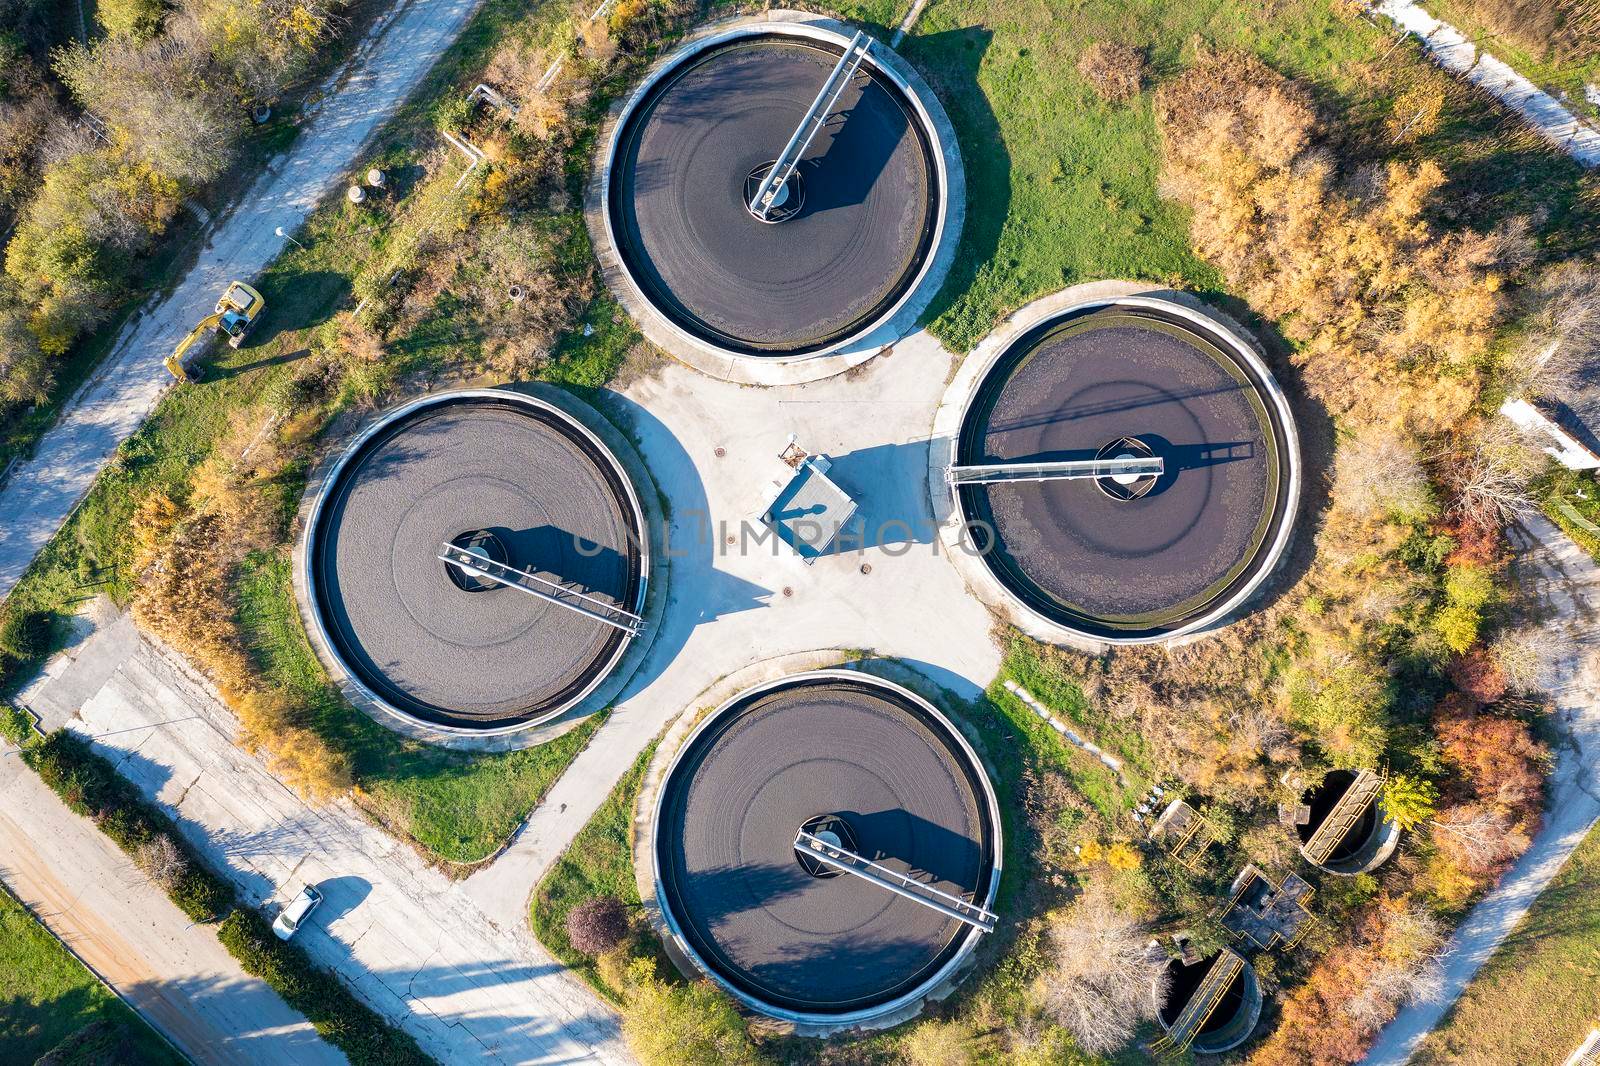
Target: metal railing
[(1070, 469), (1361, 794), (841, 858), (783, 169), (480, 565), (1201, 1004)]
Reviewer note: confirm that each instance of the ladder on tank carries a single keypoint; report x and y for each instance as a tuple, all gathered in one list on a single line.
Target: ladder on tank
[(480, 565), (1131, 468), (843, 859), (1202, 1004), (1362, 793), (766, 197)]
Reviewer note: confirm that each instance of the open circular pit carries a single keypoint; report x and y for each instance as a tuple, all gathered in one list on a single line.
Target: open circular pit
[(520, 484), (1124, 558), (846, 240), (861, 763)]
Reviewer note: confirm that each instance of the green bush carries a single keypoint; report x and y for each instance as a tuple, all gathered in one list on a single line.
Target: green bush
[(91, 786), (15, 725), (683, 1025), (359, 1032), (25, 634)]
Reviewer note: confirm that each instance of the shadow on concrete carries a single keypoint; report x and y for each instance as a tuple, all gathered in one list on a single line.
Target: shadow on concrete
[(697, 592)]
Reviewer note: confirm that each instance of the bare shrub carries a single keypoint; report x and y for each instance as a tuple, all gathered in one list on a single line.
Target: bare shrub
[(1377, 473), (1115, 71), (1521, 654), (597, 925), (1492, 474), (1478, 837), (1409, 969), (162, 861), (1104, 978)]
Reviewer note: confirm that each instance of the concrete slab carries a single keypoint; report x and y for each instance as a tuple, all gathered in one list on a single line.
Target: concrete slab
[(401, 934)]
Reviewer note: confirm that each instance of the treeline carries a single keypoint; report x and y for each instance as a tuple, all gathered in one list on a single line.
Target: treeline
[(101, 142)]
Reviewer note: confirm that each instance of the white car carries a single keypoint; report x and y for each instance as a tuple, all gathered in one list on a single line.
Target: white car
[(294, 914)]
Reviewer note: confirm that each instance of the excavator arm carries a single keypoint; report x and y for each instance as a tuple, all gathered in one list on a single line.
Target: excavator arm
[(176, 364)]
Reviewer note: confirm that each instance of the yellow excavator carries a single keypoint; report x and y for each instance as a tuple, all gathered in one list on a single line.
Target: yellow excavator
[(236, 312)]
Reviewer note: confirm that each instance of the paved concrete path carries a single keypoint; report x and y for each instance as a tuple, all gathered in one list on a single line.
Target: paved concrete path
[(388, 64), (1567, 583), (402, 935), (171, 971), (1451, 49), (731, 605)]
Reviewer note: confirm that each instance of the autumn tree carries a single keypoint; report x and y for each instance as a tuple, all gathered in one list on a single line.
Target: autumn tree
[(1101, 972)]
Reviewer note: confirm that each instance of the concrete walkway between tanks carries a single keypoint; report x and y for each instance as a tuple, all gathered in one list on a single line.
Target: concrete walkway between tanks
[(399, 933), (388, 64), (1567, 582), (874, 423), (1455, 53), (125, 929)]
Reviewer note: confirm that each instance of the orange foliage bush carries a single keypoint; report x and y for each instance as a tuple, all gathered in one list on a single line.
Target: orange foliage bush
[(1392, 320)]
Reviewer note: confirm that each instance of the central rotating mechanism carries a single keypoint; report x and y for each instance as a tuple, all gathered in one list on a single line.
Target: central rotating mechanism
[(841, 916)]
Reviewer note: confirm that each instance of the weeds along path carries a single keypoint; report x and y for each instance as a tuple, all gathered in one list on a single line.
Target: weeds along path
[(388, 64), (1567, 583), (1455, 53)]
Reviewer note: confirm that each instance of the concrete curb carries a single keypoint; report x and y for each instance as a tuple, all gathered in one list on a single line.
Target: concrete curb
[(777, 370)]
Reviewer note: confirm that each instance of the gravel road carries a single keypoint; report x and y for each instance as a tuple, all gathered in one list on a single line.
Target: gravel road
[(1568, 584)]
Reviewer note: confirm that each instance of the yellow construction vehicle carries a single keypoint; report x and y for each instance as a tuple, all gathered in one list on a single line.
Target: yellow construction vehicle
[(236, 312)]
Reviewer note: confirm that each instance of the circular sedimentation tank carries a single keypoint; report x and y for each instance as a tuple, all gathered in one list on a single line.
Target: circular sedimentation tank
[(1130, 559), (855, 760), (509, 477), (853, 234), (1368, 842), (1235, 1014)]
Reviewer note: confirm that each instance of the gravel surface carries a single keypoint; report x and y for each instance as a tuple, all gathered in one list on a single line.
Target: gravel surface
[(1073, 550), (726, 844), (677, 199), (170, 970), (412, 635)]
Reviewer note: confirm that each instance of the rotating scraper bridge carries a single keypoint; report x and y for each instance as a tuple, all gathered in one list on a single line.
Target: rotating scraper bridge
[(476, 562), (774, 191), (1128, 470), (827, 847)]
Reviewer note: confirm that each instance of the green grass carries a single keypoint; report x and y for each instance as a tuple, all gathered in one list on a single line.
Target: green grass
[(1061, 694), (459, 807), (47, 995), (1572, 501), (1568, 75), (1062, 187), (1539, 995), (598, 862)]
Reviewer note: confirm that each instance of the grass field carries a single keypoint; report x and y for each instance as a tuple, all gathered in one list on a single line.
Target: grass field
[(459, 807), (1572, 501), (1539, 994), (47, 995), (1062, 187)]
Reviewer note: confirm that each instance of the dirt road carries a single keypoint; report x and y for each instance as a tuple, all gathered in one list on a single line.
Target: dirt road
[(173, 972), (388, 64)]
